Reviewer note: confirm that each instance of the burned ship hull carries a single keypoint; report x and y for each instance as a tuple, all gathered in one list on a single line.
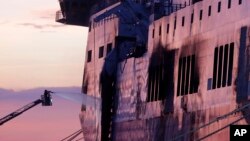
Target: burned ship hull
[(166, 70)]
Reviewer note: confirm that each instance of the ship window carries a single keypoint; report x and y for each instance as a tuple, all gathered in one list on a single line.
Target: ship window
[(209, 10), (109, 48), (201, 11), (155, 87), (240, 2), (230, 67), (220, 67), (219, 7), (175, 23), (90, 26), (194, 77), (160, 75), (183, 21), (209, 84), (223, 66), (101, 49), (192, 18), (160, 30), (188, 79), (229, 4), (153, 33), (183, 76), (179, 78), (89, 56), (168, 28), (215, 67)]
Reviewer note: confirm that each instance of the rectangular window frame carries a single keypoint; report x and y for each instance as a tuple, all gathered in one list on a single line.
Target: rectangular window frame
[(175, 22), (183, 21), (229, 4), (89, 56), (223, 66), (230, 67), (109, 48), (215, 67), (192, 18), (240, 2), (219, 7), (101, 51), (168, 28), (187, 77), (160, 30), (201, 13), (153, 33), (209, 10)]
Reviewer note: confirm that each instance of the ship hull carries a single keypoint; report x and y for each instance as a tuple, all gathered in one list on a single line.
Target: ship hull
[(194, 70)]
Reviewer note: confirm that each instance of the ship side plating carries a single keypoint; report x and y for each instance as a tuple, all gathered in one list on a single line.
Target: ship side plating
[(164, 68)]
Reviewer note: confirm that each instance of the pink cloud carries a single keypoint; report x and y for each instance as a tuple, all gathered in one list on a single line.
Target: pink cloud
[(40, 26)]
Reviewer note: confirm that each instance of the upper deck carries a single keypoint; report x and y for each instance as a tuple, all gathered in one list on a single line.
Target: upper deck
[(78, 12)]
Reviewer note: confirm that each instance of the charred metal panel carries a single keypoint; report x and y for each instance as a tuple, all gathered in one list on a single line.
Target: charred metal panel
[(107, 95)]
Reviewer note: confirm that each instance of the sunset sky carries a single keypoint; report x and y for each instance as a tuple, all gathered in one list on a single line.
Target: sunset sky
[(36, 52)]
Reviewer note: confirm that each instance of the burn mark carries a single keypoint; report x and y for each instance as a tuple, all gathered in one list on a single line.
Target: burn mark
[(85, 81), (85, 84), (188, 69), (139, 103), (161, 76), (108, 90), (161, 87), (107, 95)]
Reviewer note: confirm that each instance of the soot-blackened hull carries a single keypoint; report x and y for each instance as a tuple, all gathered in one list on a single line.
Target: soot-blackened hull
[(167, 76)]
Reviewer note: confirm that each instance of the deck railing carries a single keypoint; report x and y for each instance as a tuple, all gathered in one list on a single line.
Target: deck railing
[(102, 5)]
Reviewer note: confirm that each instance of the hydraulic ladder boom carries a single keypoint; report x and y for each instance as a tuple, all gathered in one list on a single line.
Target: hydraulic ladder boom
[(45, 100), (19, 111)]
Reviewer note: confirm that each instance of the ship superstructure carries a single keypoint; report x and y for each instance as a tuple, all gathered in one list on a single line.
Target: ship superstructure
[(163, 69)]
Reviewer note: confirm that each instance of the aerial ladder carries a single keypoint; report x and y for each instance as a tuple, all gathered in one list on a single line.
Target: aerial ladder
[(45, 100)]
